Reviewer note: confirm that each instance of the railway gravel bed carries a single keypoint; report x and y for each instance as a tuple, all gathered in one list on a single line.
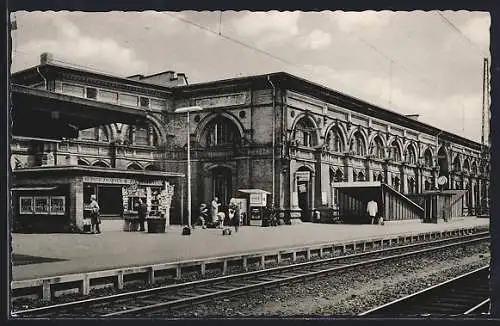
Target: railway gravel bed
[(348, 293)]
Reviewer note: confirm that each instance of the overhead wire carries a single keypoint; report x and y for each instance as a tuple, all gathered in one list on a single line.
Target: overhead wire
[(312, 70), (460, 33)]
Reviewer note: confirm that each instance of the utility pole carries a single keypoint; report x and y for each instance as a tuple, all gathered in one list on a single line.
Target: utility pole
[(485, 87), (485, 143)]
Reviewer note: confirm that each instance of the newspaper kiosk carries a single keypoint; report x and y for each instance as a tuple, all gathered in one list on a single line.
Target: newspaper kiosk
[(257, 202)]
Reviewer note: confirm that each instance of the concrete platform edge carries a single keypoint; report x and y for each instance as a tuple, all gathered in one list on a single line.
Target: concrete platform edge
[(307, 251)]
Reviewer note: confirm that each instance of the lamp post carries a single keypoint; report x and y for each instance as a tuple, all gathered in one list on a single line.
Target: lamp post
[(187, 110)]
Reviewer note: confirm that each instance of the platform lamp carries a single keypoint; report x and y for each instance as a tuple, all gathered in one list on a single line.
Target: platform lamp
[(187, 110)]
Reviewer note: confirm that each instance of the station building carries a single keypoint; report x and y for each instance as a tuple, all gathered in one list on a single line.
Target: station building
[(299, 141)]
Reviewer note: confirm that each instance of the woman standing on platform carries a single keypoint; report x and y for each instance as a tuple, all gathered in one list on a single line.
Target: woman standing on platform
[(215, 209)]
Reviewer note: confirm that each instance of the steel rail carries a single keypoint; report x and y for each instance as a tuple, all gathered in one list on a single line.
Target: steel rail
[(469, 284), (247, 281)]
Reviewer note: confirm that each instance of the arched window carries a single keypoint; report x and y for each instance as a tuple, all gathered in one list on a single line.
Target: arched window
[(83, 162), (427, 185), (95, 134), (221, 131), (334, 140), (134, 166), (396, 183), (395, 152), (411, 185), (151, 167), (377, 148), (305, 133), (466, 165), (428, 158), (474, 168), (456, 164), (412, 156), (101, 164), (339, 177), (357, 144)]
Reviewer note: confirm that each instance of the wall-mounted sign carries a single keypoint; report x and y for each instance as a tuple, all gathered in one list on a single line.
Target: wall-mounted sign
[(219, 101), (57, 205), (120, 181), (26, 205), (303, 175), (258, 199), (41, 205)]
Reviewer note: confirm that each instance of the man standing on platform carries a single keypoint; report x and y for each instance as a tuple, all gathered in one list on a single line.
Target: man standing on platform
[(143, 211), (372, 209), (95, 219)]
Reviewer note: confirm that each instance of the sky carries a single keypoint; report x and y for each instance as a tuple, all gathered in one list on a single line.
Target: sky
[(426, 63)]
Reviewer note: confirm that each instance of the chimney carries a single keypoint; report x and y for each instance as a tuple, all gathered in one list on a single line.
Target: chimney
[(413, 116), (182, 79), (46, 58)]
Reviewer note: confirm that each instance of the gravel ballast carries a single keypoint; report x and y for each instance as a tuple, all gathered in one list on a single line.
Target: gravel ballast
[(349, 292)]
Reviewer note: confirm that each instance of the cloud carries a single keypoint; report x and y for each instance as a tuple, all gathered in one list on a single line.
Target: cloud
[(349, 21), (444, 112), (72, 46), (475, 29), (268, 27), (316, 40)]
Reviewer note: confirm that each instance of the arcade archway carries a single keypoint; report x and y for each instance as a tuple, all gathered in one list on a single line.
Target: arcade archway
[(443, 166)]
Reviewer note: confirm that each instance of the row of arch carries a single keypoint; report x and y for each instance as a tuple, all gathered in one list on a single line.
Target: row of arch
[(306, 134), (104, 164), (336, 175), (143, 135), (225, 129)]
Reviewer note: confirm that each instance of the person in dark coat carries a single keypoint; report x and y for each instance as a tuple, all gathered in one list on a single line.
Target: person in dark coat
[(95, 218), (234, 214), (142, 209)]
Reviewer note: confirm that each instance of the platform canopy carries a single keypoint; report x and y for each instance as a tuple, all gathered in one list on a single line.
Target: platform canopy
[(46, 114)]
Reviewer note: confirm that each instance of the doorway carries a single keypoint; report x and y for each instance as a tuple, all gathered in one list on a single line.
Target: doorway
[(222, 185), (110, 200), (304, 190)]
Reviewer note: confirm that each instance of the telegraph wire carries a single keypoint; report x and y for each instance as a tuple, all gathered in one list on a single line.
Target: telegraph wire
[(287, 62), (311, 70), (457, 30)]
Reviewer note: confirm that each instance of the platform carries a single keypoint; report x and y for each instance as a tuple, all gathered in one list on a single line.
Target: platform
[(77, 253)]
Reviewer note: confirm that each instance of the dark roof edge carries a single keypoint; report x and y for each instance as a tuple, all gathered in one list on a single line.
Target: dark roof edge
[(406, 121), (95, 74)]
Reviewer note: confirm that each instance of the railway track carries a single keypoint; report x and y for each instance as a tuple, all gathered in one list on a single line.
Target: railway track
[(467, 294), (139, 303)]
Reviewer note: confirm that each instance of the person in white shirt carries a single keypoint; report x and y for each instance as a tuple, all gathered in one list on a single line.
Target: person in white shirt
[(372, 209)]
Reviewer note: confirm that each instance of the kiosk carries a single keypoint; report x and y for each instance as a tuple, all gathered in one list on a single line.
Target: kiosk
[(257, 202)]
